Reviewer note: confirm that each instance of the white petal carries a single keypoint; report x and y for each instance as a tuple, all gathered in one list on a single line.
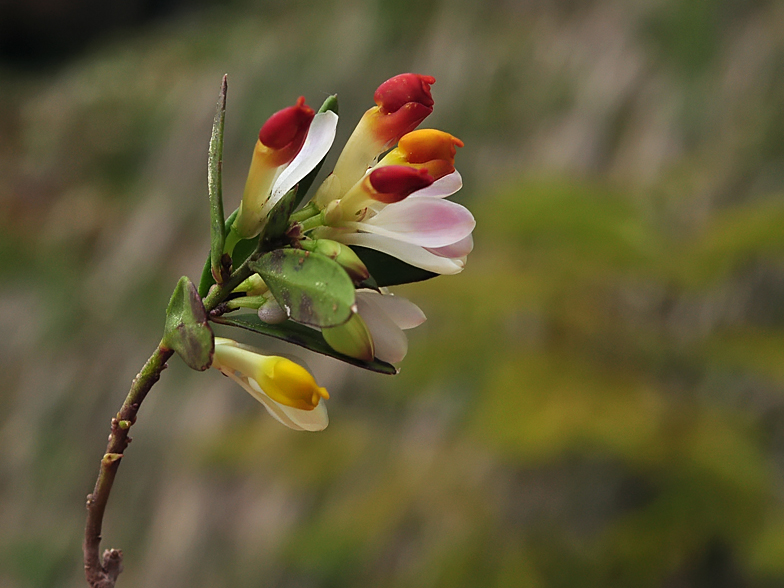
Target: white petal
[(389, 340), (456, 250), (404, 313), (428, 222), (442, 187), (411, 254), (317, 143)]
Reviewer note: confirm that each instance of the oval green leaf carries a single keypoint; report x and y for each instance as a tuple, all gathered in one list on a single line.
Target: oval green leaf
[(312, 288)]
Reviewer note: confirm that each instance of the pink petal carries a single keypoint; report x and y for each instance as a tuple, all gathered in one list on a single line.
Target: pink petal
[(389, 341), (428, 222), (411, 254), (404, 313), (457, 250), (442, 187)]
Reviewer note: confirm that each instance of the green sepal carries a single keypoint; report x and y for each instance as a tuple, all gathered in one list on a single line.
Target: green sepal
[(187, 331), (331, 103), (386, 270), (312, 288), (302, 336), (214, 184)]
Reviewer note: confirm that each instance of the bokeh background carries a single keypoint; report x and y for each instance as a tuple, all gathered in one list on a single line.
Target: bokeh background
[(597, 400)]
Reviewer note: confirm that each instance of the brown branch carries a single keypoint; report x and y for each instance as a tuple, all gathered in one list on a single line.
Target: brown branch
[(103, 572)]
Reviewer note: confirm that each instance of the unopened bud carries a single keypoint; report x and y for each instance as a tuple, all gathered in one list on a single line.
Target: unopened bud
[(285, 131), (351, 338), (393, 183), (272, 313), (342, 254), (402, 102), (428, 149), (280, 139)]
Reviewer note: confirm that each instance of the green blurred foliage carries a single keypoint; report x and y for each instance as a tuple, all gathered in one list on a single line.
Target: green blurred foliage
[(597, 400)]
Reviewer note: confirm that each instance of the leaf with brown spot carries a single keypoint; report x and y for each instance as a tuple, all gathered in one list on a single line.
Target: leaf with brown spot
[(312, 288)]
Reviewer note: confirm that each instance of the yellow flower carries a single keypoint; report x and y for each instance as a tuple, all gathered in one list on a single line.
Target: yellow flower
[(286, 389)]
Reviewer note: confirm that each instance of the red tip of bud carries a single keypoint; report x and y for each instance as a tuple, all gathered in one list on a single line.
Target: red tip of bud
[(403, 102), (396, 92), (285, 131), (393, 183)]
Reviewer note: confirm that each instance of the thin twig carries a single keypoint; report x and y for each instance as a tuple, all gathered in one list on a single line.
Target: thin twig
[(103, 572)]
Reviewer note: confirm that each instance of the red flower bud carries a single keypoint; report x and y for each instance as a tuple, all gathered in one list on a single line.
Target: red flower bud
[(396, 92), (285, 131), (393, 183), (403, 102)]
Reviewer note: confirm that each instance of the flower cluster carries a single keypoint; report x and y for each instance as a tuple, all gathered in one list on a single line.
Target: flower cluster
[(387, 193)]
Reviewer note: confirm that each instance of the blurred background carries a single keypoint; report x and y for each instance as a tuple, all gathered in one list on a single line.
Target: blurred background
[(597, 400)]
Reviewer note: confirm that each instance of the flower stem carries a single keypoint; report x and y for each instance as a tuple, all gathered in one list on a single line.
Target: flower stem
[(312, 222), (308, 211), (102, 573)]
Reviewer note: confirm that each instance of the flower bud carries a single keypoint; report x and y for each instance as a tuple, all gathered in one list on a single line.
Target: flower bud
[(428, 149), (342, 254), (384, 185), (285, 131), (395, 182), (272, 313), (280, 139), (278, 378), (351, 338), (402, 102)]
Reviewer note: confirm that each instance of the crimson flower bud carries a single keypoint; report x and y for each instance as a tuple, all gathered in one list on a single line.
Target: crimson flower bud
[(280, 139), (285, 131), (393, 183), (404, 101)]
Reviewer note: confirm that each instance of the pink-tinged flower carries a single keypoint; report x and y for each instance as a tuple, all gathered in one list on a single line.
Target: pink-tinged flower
[(281, 139), (402, 103), (376, 330), (424, 229), (286, 389)]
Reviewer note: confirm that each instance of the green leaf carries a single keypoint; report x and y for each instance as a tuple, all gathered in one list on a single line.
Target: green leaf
[(312, 288), (387, 270), (331, 103), (302, 336), (214, 165), (278, 218), (187, 331)]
